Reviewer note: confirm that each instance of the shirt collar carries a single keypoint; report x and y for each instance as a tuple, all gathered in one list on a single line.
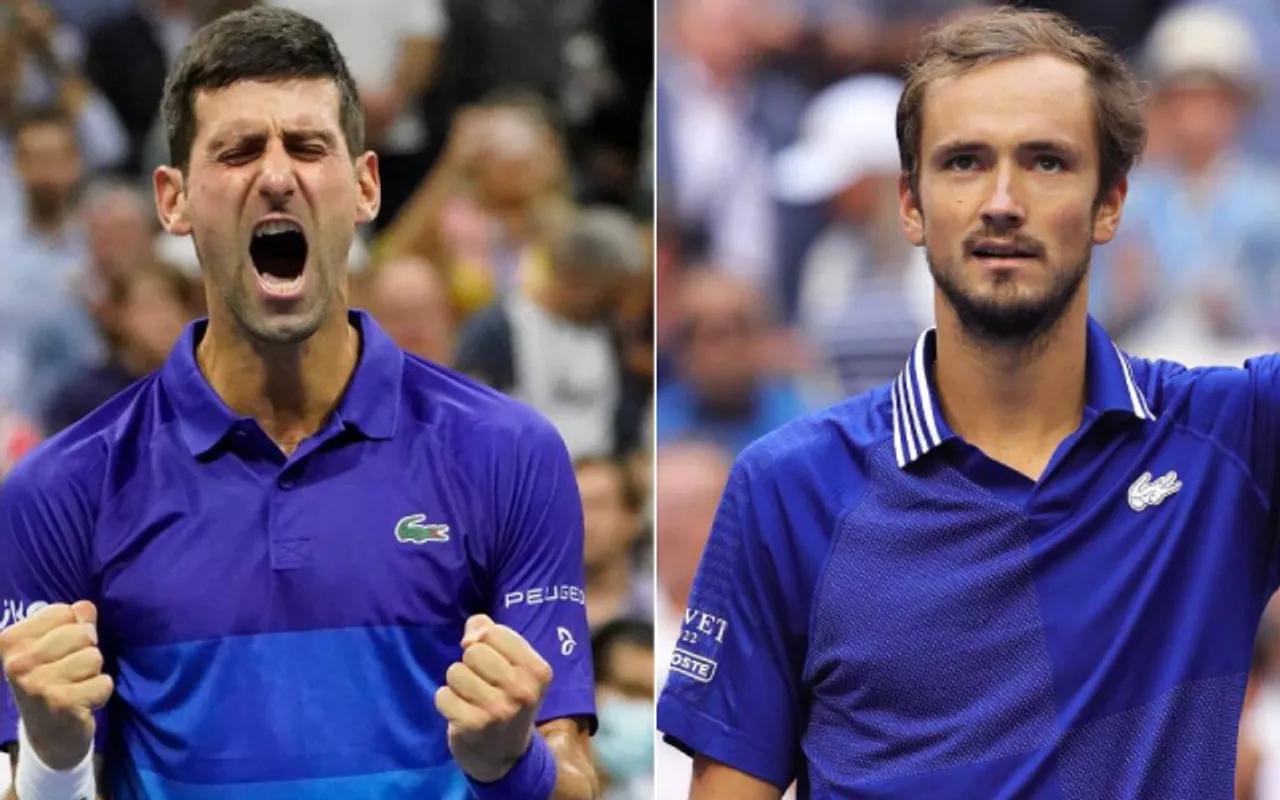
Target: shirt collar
[(369, 405), (918, 424)]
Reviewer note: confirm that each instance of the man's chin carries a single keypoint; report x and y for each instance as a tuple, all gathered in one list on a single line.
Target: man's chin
[(1009, 313), (281, 329)]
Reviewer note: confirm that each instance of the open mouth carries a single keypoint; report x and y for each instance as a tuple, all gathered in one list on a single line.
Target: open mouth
[(279, 253)]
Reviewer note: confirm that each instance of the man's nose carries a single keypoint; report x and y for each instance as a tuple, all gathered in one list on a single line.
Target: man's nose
[(1003, 210), (277, 182)]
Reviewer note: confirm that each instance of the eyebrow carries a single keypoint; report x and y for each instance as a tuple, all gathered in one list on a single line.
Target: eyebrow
[(293, 136), (299, 135), (948, 150)]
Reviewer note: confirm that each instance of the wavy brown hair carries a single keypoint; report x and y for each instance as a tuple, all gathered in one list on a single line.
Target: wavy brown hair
[(1008, 33)]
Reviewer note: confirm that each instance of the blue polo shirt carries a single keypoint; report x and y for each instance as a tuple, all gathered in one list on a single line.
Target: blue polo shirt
[(278, 626), (884, 612)]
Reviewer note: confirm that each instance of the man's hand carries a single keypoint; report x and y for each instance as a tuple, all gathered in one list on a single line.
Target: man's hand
[(54, 666), (492, 698)]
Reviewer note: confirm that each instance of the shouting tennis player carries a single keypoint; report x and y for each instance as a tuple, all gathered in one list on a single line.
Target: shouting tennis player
[(296, 562)]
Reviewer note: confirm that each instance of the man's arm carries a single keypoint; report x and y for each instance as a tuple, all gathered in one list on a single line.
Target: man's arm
[(715, 781), (490, 700), (570, 742), (734, 684)]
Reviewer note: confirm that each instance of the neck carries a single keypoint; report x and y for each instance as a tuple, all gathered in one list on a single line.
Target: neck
[(289, 389), (1014, 403), (48, 223)]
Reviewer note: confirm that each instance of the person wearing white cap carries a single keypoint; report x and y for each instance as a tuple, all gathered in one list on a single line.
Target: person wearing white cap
[(865, 293), (1198, 258)]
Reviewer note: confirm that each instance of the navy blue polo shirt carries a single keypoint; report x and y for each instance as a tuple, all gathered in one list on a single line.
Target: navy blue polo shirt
[(884, 612), (277, 626)]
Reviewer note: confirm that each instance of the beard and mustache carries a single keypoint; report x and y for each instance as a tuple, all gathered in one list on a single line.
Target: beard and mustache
[(1005, 317)]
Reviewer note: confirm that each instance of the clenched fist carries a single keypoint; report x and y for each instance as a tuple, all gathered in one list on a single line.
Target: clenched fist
[(491, 699), (54, 666)]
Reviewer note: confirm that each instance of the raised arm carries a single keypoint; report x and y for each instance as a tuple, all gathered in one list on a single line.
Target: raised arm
[(521, 702)]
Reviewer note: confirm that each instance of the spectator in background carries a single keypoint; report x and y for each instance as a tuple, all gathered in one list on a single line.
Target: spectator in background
[(619, 128), (866, 293), (1124, 25), (611, 521), (713, 143), (722, 390), (410, 299), (491, 206), (553, 343), (144, 313), (622, 652), (45, 333), (866, 36), (39, 69), (127, 57), (1197, 259), (120, 229), (391, 48), (1263, 18), (502, 46)]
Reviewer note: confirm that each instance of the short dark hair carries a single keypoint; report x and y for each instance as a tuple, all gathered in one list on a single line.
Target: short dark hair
[(601, 241), (258, 44)]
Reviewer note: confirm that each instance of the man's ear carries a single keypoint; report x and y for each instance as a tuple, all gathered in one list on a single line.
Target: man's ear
[(1106, 217), (909, 212), (369, 188), (171, 200)]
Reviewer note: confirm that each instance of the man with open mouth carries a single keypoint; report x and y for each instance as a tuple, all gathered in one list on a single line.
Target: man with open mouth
[(296, 561)]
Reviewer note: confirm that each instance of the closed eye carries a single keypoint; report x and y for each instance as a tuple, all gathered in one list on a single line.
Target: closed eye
[(237, 157), (309, 152)]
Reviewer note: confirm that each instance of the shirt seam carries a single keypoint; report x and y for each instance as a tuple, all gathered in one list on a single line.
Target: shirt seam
[(1232, 457), (855, 503)]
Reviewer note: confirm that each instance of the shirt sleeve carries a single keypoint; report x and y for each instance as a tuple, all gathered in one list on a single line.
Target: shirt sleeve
[(539, 587), (733, 684), (44, 558)]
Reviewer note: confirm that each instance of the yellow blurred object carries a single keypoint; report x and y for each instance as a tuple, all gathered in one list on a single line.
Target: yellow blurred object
[(472, 286)]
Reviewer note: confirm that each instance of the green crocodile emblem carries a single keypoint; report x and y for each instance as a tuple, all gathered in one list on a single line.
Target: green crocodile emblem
[(411, 530)]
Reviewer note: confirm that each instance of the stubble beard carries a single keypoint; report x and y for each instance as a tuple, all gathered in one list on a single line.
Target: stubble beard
[(1003, 319)]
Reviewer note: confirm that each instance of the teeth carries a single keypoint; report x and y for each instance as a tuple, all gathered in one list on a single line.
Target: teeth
[(276, 226), (280, 285)]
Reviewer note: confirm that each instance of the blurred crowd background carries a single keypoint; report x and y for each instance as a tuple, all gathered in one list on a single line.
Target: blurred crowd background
[(784, 281), (514, 242)]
